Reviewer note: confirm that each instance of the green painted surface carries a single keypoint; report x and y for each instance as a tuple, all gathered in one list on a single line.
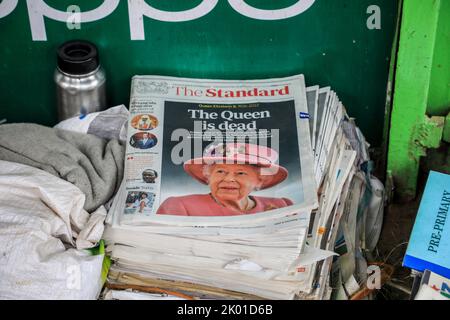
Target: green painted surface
[(381, 165), (429, 133), (408, 134), (446, 135), (439, 98), (330, 43)]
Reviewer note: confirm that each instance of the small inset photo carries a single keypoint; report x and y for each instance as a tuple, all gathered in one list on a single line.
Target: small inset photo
[(149, 176), (139, 202), (144, 122), (143, 140)]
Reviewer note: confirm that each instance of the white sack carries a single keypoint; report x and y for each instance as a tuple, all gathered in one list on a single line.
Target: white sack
[(41, 221)]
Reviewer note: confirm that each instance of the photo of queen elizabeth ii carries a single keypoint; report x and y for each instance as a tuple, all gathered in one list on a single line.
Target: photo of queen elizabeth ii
[(233, 172)]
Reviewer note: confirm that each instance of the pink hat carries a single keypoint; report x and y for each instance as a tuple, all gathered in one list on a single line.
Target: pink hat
[(239, 153)]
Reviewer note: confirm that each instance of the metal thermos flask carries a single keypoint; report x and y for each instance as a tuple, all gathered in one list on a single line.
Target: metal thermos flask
[(80, 80)]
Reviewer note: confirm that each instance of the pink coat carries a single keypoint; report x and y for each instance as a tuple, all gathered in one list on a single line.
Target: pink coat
[(205, 206)]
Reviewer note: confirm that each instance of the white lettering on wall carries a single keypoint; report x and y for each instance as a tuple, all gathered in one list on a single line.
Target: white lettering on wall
[(139, 8), (7, 6), (245, 9), (38, 10)]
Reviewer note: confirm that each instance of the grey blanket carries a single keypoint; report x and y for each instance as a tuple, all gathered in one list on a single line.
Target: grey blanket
[(94, 165)]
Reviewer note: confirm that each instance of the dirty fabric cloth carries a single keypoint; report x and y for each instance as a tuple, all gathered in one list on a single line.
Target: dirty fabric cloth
[(43, 228), (92, 164), (108, 124)]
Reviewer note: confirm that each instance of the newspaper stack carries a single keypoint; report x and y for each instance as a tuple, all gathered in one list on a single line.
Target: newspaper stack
[(234, 189), (351, 200)]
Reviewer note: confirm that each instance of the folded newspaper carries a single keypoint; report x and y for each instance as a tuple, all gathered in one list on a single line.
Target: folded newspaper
[(234, 189)]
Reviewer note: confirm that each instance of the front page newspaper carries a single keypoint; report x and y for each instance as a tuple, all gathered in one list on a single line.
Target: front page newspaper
[(212, 152)]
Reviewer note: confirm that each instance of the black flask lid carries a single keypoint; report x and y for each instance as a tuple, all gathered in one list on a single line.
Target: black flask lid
[(78, 57)]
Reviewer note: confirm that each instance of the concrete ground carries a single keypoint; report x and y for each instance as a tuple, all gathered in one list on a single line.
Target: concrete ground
[(398, 223)]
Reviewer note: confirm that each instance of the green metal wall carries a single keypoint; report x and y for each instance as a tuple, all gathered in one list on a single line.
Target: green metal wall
[(330, 43), (422, 89), (439, 95)]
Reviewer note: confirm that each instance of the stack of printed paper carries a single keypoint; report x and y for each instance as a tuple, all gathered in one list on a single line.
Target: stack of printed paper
[(234, 189)]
